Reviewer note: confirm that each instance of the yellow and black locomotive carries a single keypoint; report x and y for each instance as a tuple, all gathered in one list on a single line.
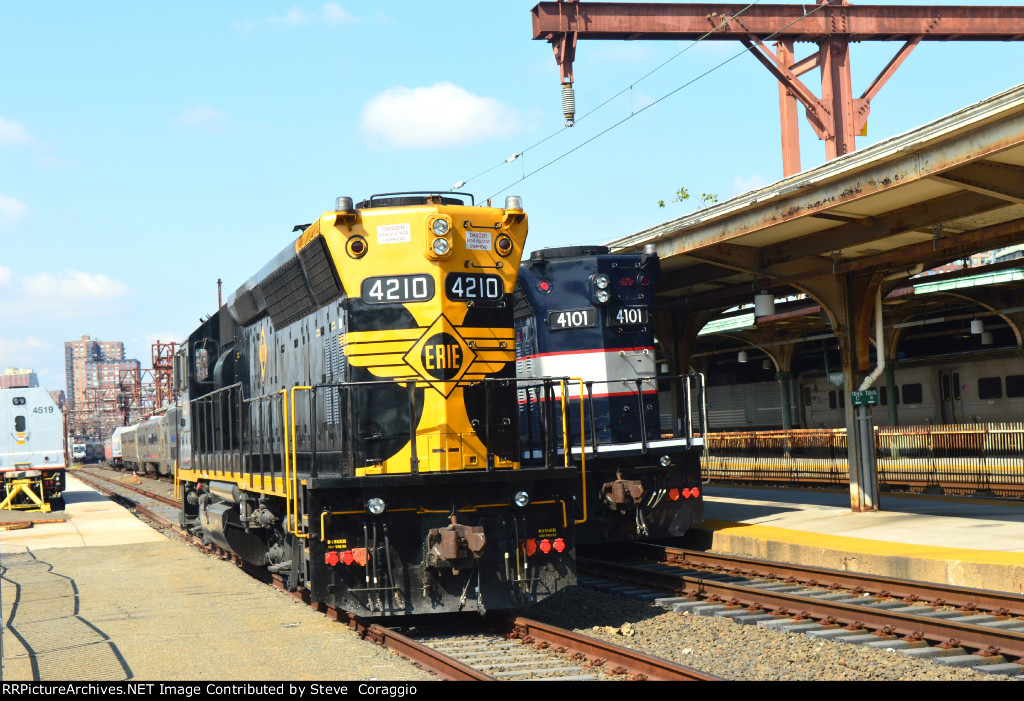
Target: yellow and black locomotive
[(349, 416)]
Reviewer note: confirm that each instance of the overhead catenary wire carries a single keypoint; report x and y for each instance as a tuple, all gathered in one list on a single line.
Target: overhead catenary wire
[(690, 82), (629, 89)]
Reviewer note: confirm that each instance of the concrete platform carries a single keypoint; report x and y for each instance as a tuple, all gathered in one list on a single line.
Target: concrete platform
[(103, 596), (960, 541)]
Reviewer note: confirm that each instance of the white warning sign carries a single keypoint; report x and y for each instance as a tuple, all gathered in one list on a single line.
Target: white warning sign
[(478, 240), (394, 233)]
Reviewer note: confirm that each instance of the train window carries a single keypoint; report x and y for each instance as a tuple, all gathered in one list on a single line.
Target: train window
[(842, 400), (945, 387), (990, 388), (19, 423), (912, 393), (1015, 385), (883, 396), (807, 396), (956, 386), (832, 399)]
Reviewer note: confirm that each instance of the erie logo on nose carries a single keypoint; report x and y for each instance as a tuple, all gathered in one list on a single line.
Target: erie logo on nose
[(442, 357)]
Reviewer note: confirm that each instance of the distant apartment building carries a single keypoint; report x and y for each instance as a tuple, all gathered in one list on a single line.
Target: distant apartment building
[(95, 364), (18, 377)]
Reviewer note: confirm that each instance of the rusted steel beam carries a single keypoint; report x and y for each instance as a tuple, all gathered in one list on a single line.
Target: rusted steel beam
[(796, 22), (899, 221), (1001, 180)]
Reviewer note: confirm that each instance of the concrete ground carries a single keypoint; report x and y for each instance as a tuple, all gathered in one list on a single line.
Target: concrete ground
[(102, 596)]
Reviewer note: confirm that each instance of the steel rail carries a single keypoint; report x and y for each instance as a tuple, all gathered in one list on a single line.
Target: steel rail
[(138, 490), (618, 659), (945, 594), (430, 660), (738, 595)]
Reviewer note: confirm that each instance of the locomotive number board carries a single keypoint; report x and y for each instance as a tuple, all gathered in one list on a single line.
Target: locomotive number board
[(572, 319), (474, 286), (628, 316), (389, 289)]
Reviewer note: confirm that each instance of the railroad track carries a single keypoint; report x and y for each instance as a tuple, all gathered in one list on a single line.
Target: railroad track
[(496, 648), (951, 625)]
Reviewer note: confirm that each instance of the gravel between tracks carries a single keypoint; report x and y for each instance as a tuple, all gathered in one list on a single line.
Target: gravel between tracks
[(730, 650)]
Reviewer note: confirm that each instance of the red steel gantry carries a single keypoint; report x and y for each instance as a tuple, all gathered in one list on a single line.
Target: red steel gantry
[(837, 117)]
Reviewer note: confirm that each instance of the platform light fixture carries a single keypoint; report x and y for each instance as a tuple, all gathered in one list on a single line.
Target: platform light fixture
[(986, 338), (742, 357), (977, 326), (764, 304)]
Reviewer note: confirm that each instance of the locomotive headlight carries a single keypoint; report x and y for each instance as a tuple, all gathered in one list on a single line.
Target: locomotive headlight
[(601, 281), (440, 246), (440, 227), (665, 460), (376, 506), (602, 296), (521, 499)]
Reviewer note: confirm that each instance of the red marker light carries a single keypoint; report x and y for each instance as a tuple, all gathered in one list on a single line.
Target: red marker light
[(673, 494), (644, 281), (559, 544), (545, 546), (331, 558), (695, 492), (531, 547), (686, 492), (544, 285)]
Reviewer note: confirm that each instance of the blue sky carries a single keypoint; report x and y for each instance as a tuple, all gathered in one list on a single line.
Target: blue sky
[(147, 150)]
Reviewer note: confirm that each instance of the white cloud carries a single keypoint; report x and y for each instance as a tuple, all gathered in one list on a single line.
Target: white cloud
[(12, 209), (5, 275), (441, 115), (14, 133), (198, 116), (74, 284), (22, 353), (330, 13)]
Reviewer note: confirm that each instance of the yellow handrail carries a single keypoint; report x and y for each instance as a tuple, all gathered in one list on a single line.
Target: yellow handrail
[(293, 495), (583, 453), (287, 483)]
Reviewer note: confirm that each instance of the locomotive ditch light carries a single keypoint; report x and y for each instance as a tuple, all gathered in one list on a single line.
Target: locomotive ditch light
[(601, 281), (602, 296), (376, 506), (439, 227), (521, 499), (665, 460), (440, 247)]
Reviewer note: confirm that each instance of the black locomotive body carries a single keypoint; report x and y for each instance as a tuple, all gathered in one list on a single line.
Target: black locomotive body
[(349, 416), (585, 315)]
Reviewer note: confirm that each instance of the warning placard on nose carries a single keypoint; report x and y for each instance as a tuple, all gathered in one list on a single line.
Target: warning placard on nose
[(478, 240), (394, 233)]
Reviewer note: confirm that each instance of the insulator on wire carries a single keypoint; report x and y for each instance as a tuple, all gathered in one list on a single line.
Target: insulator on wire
[(568, 104)]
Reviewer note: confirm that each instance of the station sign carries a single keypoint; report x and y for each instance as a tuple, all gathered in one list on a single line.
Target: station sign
[(867, 397)]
